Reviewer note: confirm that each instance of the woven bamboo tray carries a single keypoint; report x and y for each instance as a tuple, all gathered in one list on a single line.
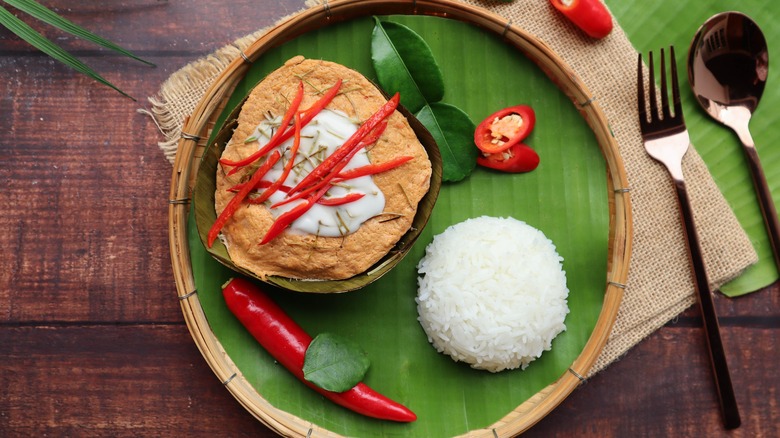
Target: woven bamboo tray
[(199, 125)]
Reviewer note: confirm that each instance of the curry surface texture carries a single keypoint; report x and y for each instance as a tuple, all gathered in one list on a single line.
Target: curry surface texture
[(308, 256)]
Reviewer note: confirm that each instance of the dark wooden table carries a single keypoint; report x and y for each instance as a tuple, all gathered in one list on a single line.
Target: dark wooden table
[(92, 339)]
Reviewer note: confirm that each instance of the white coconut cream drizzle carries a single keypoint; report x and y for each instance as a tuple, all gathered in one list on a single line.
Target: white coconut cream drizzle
[(319, 139)]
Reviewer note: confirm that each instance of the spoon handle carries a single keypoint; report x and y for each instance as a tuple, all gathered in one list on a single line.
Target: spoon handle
[(764, 200)]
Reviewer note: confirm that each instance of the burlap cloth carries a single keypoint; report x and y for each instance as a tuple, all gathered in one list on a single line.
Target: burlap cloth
[(659, 285)]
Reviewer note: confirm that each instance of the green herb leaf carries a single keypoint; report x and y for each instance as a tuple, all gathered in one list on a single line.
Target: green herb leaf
[(25, 32), (40, 12), (404, 63), (28, 34), (334, 363), (453, 131)]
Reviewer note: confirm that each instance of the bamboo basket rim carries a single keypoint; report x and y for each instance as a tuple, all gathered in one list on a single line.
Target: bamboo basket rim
[(197, 128)]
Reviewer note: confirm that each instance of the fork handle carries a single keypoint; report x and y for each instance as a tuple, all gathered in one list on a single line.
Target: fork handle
[(728, 401)]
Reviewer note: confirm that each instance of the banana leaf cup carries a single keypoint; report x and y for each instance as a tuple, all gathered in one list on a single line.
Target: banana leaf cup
[(205, 215)]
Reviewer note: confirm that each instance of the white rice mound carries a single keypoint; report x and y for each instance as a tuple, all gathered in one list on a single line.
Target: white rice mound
[(492, 293)]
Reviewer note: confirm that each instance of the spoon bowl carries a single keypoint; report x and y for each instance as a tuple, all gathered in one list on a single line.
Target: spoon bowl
[(728, 62)]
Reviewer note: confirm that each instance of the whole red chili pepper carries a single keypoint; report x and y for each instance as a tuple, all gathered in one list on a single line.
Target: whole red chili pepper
[(589, 15), (518, 158), (287, 342)]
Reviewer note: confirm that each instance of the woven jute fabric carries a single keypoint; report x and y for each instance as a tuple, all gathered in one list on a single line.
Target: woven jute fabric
[(660, 285)]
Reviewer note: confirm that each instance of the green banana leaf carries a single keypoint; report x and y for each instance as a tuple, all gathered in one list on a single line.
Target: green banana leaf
[(652, 25), (566, 197)]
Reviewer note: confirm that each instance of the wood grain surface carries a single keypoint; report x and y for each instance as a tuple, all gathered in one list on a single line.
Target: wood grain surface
[(92, 340)]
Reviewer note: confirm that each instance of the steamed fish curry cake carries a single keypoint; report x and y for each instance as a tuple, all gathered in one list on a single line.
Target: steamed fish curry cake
[(322, 175)]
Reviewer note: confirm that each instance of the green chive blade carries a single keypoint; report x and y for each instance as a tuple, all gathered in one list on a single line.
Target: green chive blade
[(28, 34), (40, 12)]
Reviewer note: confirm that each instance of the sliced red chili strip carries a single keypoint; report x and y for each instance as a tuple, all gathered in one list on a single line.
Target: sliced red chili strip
[(346, 199), (308, 116), (375, 134), (236, 188), (275, 139), (264, 185), (261, 185), (352, 144), (371, 169), (323, 182), (284, 220), (288, 217), (300, 195), (312, 111), (235, 202), (287, 167), (319, 193), (287, 342), (368, 140)]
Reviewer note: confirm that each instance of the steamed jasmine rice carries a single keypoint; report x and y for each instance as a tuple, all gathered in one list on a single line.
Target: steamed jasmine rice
[(492, 293)]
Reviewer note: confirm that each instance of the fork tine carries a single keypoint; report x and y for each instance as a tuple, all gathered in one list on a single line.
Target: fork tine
[(675, 87), (664, 88), (653, 103), (640, 92)]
